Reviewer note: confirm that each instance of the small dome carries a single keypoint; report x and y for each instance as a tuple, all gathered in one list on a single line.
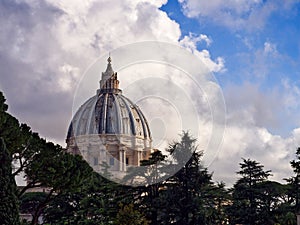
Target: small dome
[(109, 112)]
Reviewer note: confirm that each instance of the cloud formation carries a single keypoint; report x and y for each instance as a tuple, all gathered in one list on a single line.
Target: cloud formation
[(46, 45), (254, 121), (247, 15)]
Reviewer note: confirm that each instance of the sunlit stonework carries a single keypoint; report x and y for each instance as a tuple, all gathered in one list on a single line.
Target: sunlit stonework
[(110, 129)]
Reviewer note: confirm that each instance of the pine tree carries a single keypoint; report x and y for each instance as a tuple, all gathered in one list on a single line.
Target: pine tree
[(127, 215), (294, 184), (186, 196), (296, 180), (9, 213), (247, 194)]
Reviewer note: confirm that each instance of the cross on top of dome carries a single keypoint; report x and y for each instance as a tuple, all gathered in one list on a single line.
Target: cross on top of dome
[(109, 82), (109, 69)]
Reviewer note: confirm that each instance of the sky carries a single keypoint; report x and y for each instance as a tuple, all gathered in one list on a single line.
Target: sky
[(251, 48)]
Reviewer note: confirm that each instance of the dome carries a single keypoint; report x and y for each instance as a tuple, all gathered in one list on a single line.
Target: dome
[(109, 112), (110, 129)]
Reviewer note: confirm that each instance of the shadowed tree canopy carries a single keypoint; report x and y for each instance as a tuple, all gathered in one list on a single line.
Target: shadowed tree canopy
[(9, 213), (44, 163), (179, 191), (248, 207)]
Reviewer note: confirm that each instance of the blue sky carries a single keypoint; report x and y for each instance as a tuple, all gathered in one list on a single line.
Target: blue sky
[(281, 30), (251, 46), (267, 55)]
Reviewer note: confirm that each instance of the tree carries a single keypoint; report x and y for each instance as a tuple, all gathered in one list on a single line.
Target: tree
[(276, 206), (179, 190), (63, 173), (147, 197), (127, 215), (9, 212), (186, 195), (295, 181), (30, 201), (44, 163), (218, 198), (294, 186), (248, 207), (95, 202)]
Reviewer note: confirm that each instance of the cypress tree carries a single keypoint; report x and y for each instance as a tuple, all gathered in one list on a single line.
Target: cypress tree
[(9, 213)]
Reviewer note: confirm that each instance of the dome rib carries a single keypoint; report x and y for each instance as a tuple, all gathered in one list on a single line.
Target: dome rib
[(119, 119), (132, 124)]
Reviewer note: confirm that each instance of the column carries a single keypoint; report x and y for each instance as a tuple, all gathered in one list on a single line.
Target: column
[(124, 159), (120, 160)]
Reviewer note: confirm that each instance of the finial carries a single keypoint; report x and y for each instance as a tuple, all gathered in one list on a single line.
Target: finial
[(109, 82), (109, 58)]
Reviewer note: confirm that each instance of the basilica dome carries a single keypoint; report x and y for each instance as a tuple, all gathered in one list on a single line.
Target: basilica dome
[(110, 122), (109, 112)]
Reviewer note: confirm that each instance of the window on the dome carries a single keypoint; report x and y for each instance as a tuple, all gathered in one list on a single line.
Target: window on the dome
[(111, 161), (96, 162)]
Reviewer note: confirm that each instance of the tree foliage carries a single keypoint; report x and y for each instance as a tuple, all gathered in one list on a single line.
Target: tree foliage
[(9, 213), (45, 164), (180, 189), (127, 215)]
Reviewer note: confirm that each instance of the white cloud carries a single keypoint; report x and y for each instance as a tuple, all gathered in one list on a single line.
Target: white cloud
[(261, 61), (253, 116), (190, 43), (46, 46), (256, 143), (270, 48), (69, 76), (290, 103), (100, 26), (248, 14)]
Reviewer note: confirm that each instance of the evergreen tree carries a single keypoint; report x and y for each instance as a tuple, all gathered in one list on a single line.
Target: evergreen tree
[(30, 201), (64, 173), (186, 194), (9, 213), (294, 186), (147, 197), (45, 164), (127, 215), (95, 202), (247, 207), (295, 181)]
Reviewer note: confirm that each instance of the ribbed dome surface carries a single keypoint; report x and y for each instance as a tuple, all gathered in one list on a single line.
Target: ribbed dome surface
[(109, 113)]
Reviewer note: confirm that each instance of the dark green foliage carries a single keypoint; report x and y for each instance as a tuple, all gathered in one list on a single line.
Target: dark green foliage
[(293, 191), (148, 197), (45, 164), (9, 213), (30, 201), (9, 127), (187, 198), (248, 195), (179, 188), (127, 215), (95, 202), (295, 181)]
